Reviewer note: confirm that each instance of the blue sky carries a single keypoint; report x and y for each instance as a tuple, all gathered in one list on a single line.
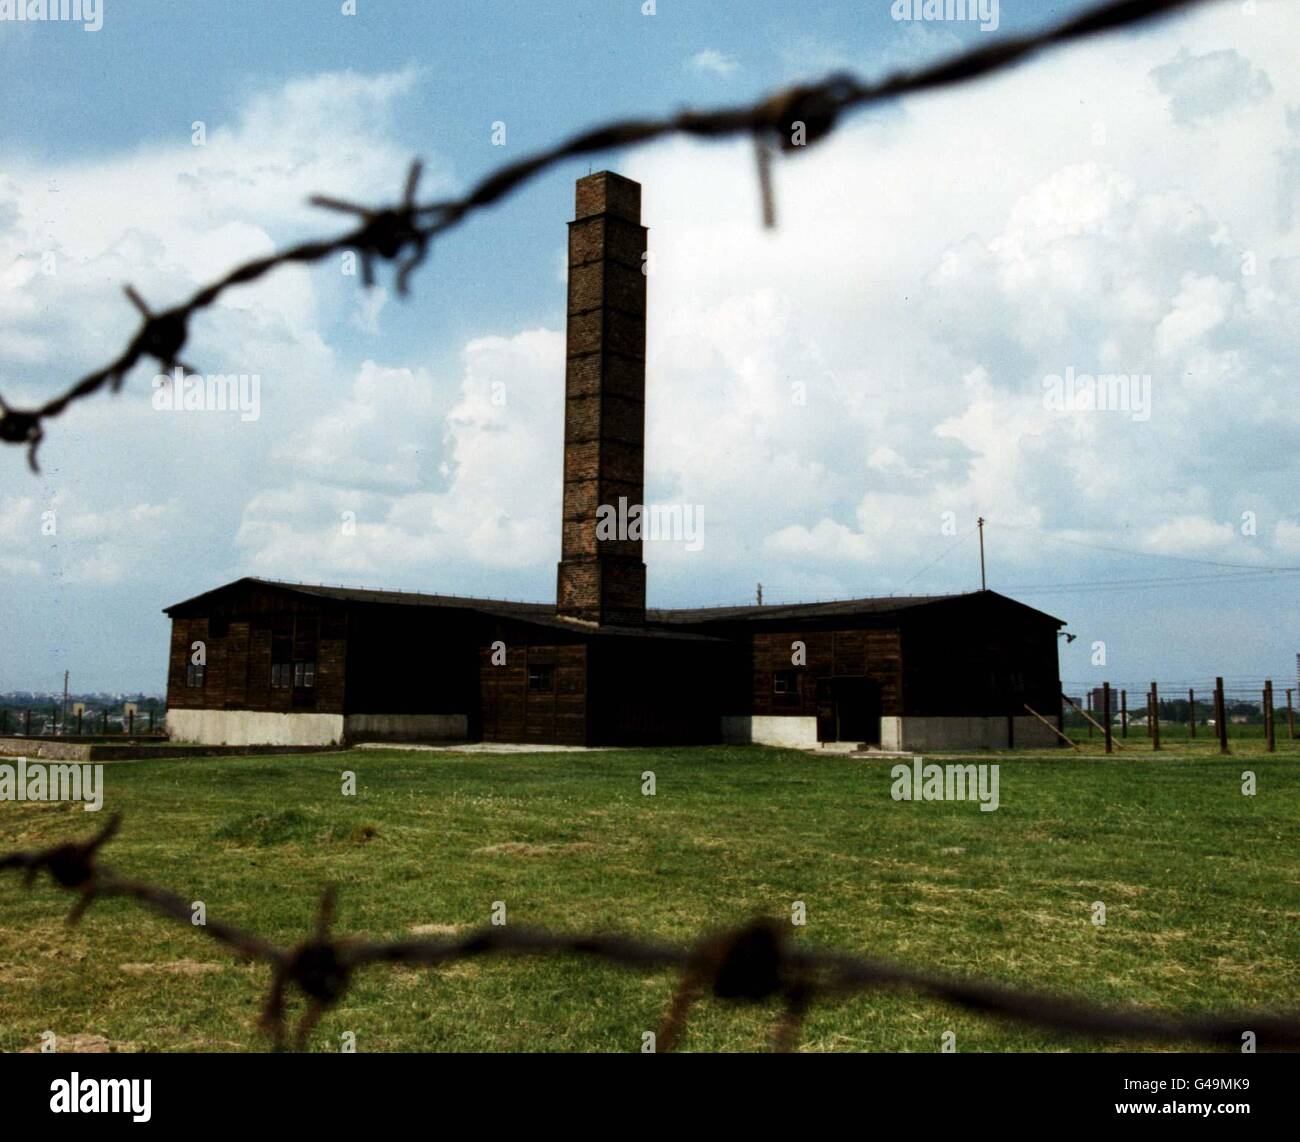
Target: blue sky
[(1126, 207)]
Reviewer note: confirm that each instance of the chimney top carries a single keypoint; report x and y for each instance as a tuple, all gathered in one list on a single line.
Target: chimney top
[(608, 193)]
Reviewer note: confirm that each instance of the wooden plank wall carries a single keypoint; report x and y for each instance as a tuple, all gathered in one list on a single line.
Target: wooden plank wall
[(511, 712), (412, 660), (983, 669), (239, 633), (875, 654), (650, 691)]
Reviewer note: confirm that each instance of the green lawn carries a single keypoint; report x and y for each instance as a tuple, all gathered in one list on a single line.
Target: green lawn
[(1201, 886)]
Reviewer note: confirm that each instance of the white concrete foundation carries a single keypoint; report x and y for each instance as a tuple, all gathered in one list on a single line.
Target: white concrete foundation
[(937, 734), (253, 727), (792, 732), (407, 727)]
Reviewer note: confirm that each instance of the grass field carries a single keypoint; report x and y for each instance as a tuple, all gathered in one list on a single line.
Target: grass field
[(1201, 886)]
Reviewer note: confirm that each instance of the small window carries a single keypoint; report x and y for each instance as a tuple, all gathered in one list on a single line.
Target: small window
[(785, 682), (279, 675), (304, 675), (195, 675), (541, 677)]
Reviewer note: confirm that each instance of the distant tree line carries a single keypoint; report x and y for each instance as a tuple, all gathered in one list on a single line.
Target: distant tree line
[(1175, 710)]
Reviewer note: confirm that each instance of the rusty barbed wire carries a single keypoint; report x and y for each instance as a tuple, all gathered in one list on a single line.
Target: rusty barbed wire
[(403, 233), (755, 963)]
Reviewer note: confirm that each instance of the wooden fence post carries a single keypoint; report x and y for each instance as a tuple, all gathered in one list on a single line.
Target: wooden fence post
[(1220, 715), (79, 714), (105, 721), (1087, 699), (1191, 715), (1270, 741), (1105, 714), (27, 723), (1155, 717), (1123, 713), (130, 722)]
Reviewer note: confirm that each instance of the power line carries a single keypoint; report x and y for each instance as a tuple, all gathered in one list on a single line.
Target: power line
[(942, 555), (1144, 554), (1145, 584)]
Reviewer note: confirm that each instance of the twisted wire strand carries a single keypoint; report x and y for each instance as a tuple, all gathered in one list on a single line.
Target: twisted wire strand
[(402, 233), (750, 964)]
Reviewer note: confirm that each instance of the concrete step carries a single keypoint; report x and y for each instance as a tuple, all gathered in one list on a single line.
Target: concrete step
[(874, 751), (856, 749), (839, 747)]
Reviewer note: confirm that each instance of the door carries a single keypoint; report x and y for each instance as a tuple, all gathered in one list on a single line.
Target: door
[(848, 709), (827, 724)]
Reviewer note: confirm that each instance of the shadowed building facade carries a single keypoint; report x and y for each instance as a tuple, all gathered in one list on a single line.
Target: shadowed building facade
[(263, 662)]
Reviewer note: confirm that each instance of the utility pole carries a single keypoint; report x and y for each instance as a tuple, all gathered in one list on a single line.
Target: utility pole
[(63, 714), (983, 584)]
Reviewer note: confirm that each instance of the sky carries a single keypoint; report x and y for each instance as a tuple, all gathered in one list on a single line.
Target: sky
[(839, 397)]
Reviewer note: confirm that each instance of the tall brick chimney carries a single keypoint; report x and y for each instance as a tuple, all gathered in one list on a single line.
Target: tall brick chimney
[(603, 580)]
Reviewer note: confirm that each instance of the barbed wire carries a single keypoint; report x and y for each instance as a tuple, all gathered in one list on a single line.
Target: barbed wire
[(754, 963), (402, 233)]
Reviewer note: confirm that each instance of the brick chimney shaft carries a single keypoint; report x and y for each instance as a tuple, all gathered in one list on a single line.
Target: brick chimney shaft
[(603, 580)]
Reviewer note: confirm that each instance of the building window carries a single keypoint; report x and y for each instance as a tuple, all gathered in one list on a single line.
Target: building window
[(541, 677), (785, 682), (195, 675), (300, 675)]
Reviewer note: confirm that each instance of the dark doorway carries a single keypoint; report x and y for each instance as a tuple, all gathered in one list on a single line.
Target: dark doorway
[(848, 709)]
